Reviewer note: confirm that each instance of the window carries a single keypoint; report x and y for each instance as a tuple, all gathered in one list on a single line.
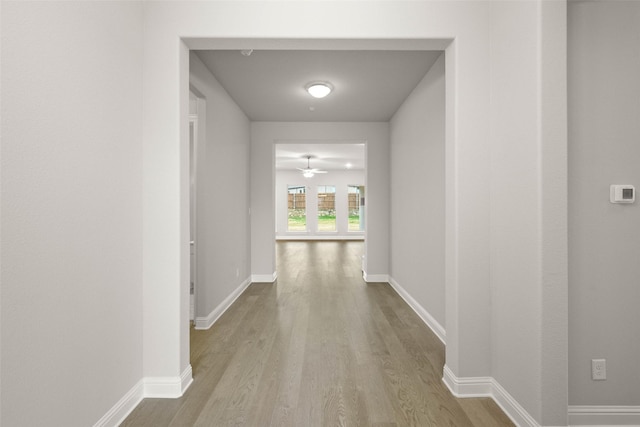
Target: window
[(326, 208), (297, 211), (356, 207)]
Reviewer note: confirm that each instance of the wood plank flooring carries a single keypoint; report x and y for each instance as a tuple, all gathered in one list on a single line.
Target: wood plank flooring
[(320, 347)]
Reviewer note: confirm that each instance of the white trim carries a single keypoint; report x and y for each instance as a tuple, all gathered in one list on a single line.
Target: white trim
[(427, 318), (264, 278), (203, 323), (604, 416), (193, 211), (488, 387), (168, 387), (359, 236), (375, 278), (121, 410), (186, 379), (467, 387), (160, 387)]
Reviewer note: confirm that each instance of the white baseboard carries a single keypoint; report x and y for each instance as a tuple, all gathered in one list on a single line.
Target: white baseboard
[(375, 278), (264, 278), (203, 323), (168, 387), (489, 387), (467, 387), (427, 318), (164, 387), (604, 416), (123, 408)]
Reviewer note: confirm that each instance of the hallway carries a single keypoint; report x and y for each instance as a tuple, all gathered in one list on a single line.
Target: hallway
[(319, 347)]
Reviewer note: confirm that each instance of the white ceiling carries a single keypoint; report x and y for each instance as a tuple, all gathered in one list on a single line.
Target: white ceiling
[(325, 156), (269, 85), (369, 86)]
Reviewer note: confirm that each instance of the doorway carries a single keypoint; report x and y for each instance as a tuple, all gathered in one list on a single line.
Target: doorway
[(261, 209), (194, 102), (317, 190)]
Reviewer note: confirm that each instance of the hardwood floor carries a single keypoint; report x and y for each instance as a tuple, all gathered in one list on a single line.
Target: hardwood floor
[(319, 347)]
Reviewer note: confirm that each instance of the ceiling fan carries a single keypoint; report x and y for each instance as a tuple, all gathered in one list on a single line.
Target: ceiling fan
[(308, 172)]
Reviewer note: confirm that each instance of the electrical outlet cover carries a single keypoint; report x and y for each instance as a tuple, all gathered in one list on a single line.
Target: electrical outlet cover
[(598, 369)]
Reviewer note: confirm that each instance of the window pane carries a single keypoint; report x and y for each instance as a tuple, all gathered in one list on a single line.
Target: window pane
[(326, 208), (355, 208), (297, 210)]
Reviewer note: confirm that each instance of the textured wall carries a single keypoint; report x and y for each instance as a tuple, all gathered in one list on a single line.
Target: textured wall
[(71, 210), (604, 238), (417, 193), (223, 232)]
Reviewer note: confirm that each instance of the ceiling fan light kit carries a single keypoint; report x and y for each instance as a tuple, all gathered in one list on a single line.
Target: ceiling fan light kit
[(309, 172)]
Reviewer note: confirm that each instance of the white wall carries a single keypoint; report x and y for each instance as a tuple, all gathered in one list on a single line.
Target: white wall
[(223, 237), (266, 134), (71, 210), (340, 180), (417, 193), (463, 28), (515, 253), (604, 135), (528, 205)]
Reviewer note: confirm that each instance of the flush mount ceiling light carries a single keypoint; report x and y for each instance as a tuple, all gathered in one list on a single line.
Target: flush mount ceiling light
[(319, 89)]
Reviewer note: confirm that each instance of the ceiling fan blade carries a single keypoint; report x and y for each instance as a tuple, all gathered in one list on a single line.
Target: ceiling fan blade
[(309, 169)]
